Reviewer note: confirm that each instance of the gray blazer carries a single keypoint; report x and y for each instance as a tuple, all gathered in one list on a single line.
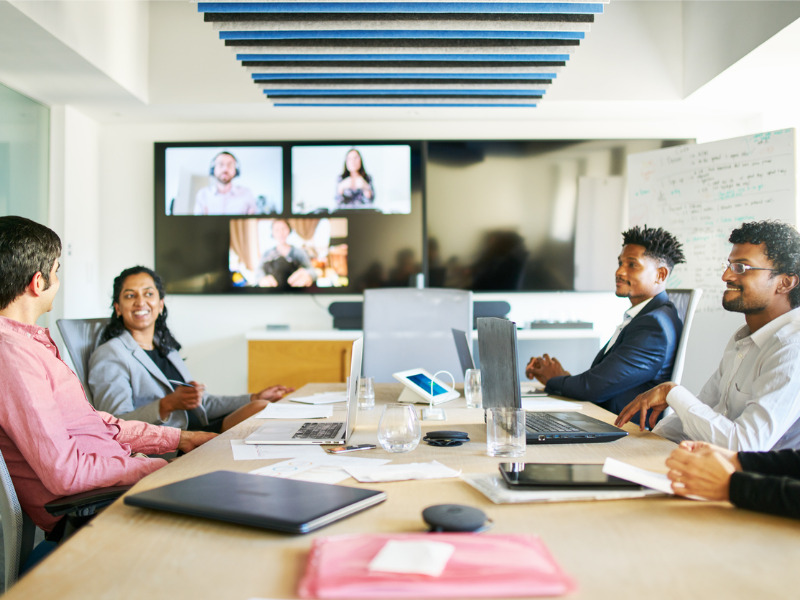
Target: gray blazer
[(127, 384)]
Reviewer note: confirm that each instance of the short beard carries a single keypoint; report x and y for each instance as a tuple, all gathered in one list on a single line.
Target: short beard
[(738, 305)]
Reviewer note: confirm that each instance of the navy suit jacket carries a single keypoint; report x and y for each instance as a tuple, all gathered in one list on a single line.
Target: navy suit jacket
[(641, 358)]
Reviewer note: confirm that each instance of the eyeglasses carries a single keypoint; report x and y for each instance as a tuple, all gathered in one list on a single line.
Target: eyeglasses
[(741, 268)]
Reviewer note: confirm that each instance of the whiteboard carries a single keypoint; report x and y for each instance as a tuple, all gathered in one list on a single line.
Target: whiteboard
[(600, 219), (700, 193)]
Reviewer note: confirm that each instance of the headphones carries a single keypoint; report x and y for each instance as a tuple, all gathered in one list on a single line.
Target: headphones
[(214, 162)]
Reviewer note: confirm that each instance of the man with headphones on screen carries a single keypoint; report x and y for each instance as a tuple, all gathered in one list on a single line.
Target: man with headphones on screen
[(222, 197)]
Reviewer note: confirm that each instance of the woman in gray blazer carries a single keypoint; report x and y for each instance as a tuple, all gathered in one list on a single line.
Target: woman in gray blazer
[(136, 371)]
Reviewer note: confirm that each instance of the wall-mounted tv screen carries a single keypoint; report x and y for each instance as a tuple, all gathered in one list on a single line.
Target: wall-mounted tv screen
[(224, 180), (502, 215), (288, 217), (367, 178), (288, 253), (345, 216)]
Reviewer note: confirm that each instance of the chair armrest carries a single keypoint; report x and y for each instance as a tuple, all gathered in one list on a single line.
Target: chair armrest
[(86, 503)]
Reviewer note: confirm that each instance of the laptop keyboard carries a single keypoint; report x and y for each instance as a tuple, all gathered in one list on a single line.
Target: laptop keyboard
[(317, 431), (537, 422)]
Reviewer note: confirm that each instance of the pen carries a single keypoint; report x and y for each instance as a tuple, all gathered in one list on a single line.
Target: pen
[(183, 383)]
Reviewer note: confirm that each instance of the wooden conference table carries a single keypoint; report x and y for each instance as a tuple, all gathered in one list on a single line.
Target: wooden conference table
[(656, 547)]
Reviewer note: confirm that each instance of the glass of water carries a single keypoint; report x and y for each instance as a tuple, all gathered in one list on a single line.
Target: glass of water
[(366, 393), (472, 388), (399, 429)]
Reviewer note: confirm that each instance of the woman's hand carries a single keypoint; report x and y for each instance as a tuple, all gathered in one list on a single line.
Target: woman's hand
[(300, 278), (185, 397), (359, 183), (271, 394), (268, 281)]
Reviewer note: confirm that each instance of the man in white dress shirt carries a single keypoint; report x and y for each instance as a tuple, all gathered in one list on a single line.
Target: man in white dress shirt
[(752, 401), (222, 196)]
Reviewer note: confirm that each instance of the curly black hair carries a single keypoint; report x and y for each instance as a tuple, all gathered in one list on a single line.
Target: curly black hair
[(658, 243), (781, 245), (163, 339)]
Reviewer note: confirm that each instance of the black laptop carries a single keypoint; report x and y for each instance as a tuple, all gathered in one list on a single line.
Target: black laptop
[(259, 501), (497, 344)]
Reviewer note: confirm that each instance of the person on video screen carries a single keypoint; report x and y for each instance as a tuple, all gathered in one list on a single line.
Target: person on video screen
[(285, 265), (222, 196), (354, 188)]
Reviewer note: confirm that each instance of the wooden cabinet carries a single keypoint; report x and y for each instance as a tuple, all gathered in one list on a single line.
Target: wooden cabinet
[(296, 362)]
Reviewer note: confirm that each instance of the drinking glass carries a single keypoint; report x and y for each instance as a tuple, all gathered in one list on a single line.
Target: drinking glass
[(472, 388), (505, 432), (399, 429), (366, 393)]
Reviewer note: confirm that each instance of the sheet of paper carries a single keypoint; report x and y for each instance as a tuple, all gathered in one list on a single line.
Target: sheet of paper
[(550, 405), (429, 470), (293, 411), (495, 489), (401, 556), (242, 451), (656, 481), (321, 398), (531, 387), (326, 469), (287, 468)]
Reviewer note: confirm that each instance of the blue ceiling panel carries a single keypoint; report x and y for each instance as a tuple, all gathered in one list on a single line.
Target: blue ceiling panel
[(414, 53)]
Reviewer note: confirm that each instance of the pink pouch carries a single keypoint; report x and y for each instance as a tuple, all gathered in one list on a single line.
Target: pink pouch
[(482, 566)]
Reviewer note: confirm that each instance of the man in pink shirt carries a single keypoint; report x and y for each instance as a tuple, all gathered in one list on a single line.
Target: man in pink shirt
[(54, 443)]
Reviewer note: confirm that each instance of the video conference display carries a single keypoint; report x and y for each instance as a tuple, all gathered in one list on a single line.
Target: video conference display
[(342, 217), (224, 180), (288, 253), (333, 178), (280, 217)]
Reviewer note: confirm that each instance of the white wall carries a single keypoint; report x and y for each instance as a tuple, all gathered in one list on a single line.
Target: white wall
[(718, 34), (112, 36)]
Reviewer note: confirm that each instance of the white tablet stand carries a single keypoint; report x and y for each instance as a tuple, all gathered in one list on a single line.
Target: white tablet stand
[(432, 413)]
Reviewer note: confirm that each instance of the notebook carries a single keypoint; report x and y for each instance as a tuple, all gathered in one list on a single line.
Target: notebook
[(497, 344), (532, 389), (266, 502), (317, 432)]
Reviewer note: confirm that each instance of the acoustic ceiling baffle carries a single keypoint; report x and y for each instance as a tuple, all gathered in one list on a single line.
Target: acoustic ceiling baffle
[(414, 53)]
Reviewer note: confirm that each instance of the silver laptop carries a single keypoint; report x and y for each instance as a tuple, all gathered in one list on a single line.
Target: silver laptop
[(316, 432), (528, 389)]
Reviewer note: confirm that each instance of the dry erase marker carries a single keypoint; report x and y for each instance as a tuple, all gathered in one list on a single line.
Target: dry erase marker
[(183, 383)]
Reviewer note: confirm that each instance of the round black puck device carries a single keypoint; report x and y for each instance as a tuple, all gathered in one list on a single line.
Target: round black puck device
[(446, 438), (454, 517)]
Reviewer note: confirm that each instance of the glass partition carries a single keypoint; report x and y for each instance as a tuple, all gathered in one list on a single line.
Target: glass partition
[(24, 156)]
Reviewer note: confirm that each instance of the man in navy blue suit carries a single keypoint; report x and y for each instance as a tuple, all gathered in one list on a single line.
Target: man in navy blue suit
[(641, 352)]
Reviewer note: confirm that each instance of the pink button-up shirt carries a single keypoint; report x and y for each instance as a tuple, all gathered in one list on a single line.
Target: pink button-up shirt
[(53, 441)]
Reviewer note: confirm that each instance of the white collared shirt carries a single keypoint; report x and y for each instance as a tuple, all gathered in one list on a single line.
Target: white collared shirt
[(752, 402), (627, 317), (236, 201)]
